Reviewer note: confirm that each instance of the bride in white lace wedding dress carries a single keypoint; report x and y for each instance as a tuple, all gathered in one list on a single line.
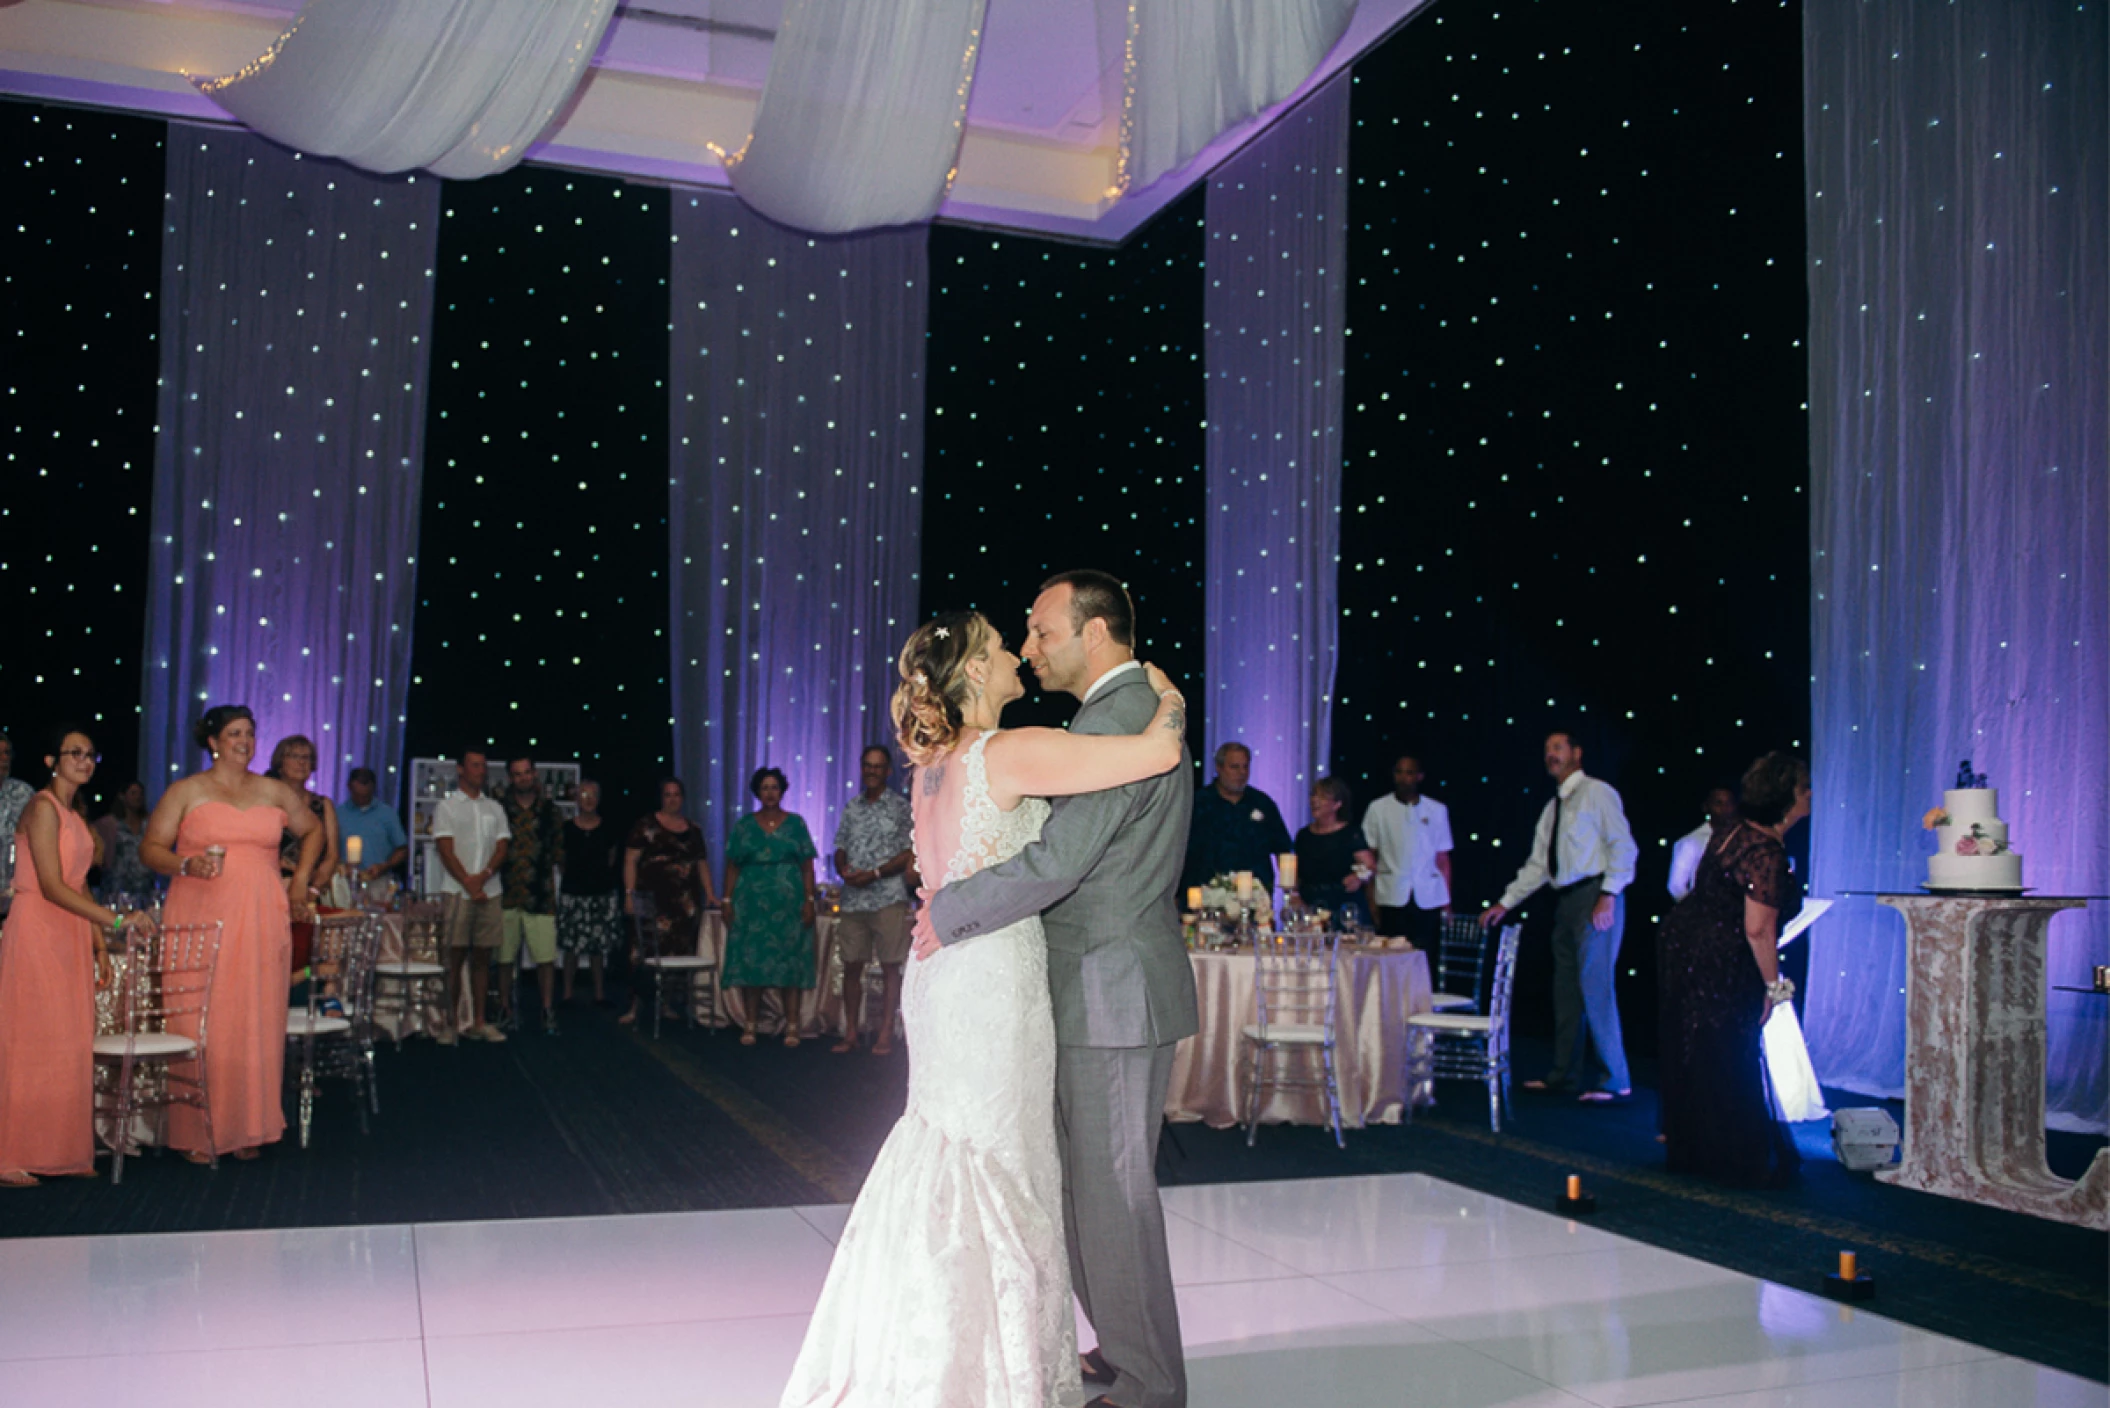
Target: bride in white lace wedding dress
[(951, 1283)]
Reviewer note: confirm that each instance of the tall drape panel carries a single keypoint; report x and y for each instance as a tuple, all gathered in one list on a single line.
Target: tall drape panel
[(860, 121), (795, 398), (296, 304), (1193, 69), (1275, 320), (459, 87), (1959, 312)]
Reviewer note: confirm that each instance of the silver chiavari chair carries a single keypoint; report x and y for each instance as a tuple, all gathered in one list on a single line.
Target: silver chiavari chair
[(1469, 1046), (1290, 1043), (335, 1027), (162, 1013)]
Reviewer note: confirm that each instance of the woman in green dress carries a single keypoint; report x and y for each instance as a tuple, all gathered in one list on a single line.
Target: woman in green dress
[(769, 906)]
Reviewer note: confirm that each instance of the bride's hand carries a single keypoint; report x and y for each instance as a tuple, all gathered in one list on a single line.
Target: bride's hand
[(1159, 680)]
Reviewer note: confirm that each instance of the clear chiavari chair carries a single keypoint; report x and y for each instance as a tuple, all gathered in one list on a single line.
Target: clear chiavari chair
[(416, 978), (1290, 1043), (1466, 1045), (335, 1028), (162, 1014), (670, 955), (1461, 965)]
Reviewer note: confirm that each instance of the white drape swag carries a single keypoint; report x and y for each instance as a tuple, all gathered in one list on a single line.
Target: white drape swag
[(860, 121), (1960, 489), (460, 88), (795, 400), (1194, 69), (296, 307), (1274, 310)]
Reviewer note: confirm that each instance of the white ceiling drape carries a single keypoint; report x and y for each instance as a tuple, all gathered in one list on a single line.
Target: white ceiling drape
[(460, 88), (1194, 69), (860, 121)]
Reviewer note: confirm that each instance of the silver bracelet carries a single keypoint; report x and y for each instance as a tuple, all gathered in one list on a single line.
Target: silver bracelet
[(1780, 990)]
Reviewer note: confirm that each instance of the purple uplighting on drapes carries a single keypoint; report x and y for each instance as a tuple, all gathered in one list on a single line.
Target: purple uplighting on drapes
[(296, 305), (795, 397), (1960, 514), (1275, 311)]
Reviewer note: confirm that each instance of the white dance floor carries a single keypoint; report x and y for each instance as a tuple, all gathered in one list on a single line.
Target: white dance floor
[(1397, 1290)]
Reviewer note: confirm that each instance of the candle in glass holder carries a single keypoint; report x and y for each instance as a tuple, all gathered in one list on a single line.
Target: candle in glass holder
[(1286, 871), (354, 847), (1244, 881)]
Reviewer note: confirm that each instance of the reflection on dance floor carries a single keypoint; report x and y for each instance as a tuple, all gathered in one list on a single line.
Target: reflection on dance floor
[(1379, 1291)]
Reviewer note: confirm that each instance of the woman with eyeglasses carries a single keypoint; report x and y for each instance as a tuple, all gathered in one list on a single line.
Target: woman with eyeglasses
[(54, 953), (217, 833)]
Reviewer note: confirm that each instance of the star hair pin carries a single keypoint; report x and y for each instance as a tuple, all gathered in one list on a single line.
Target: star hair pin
[(920, 678), (943, 633)]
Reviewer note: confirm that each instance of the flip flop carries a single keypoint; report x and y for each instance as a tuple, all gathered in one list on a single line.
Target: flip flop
[(19, 1180), (1604, 1097), (843, 1047)]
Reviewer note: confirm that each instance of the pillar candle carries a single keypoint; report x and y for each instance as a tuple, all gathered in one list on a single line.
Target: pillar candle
[(1574, 1186), (1194, 898), (1245, 885), (1847, 1267), (1286, 870), (354, 846)]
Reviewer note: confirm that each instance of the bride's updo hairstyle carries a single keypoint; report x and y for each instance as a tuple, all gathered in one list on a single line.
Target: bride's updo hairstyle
[(934, 684)]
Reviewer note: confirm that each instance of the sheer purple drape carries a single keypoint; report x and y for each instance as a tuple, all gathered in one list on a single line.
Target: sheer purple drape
[(1960, 587), (1275, 315), (296, 306), (795, 522)]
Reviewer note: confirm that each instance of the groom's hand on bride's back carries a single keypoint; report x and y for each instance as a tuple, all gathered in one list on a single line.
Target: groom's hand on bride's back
[(926, 937)]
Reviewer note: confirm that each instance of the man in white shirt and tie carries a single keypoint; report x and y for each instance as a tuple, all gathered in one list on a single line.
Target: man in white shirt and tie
[(1584, 848), (1412, 837)]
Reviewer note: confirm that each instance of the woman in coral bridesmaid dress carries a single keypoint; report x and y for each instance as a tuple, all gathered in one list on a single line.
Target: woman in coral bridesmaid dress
[(51, 957), (216, 833)]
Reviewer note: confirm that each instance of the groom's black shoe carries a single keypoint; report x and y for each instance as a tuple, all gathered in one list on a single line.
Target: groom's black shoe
[(1096, 1370)]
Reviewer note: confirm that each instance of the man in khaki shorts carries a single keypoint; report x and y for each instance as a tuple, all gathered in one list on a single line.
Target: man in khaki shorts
[(471, 830), (873, 851), (535, 843)]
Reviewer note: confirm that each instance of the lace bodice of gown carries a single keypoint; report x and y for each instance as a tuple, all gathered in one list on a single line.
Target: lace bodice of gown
[(959, 827)]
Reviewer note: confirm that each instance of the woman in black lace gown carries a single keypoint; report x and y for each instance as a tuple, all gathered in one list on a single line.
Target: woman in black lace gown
[(1719, 966)]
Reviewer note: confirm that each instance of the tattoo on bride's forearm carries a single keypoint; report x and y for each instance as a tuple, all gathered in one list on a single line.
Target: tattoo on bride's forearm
[(1176, 716)]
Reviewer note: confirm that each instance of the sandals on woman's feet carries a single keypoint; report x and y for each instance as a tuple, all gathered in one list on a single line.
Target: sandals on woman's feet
[(791, 1039), (843, 1047), (19, 1178), (193, 1156), (747, 1038)]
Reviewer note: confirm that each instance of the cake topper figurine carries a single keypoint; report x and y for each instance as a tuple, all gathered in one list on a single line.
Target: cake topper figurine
[(1966, 779)]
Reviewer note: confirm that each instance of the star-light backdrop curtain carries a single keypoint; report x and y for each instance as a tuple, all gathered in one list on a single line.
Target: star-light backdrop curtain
[(458, 87), (1275, 320), (1191, 70), (795, 516), (1959, 311), (860, 120), (296, 307)]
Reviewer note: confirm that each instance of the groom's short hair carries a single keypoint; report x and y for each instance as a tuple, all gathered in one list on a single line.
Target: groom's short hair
[(1098, 594)]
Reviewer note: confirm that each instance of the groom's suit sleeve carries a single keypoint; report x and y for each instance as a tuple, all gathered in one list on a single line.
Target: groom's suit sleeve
[(1076, 835)]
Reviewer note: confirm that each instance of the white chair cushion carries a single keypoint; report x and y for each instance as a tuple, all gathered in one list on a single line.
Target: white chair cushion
[(151, 1044), (681, 962), (297, 1024), (1449, 1001), (1450, 1022), (1289, 1033), (410, 968)]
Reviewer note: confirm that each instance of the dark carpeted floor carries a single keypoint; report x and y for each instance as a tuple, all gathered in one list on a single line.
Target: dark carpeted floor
[(601, 1121)]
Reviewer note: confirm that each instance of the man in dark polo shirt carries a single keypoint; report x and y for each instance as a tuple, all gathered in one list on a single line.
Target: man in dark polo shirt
[(1236, 827)]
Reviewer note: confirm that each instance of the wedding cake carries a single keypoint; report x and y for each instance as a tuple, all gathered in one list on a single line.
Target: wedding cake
[(1971, 850)]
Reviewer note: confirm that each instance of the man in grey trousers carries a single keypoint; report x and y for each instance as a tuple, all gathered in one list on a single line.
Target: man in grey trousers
[(1103, 877)]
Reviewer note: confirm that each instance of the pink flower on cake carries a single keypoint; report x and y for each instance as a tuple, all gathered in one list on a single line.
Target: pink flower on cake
[(1968, 846)]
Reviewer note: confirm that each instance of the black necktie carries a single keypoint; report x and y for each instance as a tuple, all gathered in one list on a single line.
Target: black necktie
[(1553, 844)]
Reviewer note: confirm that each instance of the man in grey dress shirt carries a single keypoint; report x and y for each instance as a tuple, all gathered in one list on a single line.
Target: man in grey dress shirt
[(1103, 877), (1584, 848)]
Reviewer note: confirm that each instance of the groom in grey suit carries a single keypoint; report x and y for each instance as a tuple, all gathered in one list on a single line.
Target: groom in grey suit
[(1102, 877)]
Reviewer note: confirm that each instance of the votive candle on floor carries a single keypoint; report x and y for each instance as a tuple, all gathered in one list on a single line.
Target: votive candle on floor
[(1574, 1186), (1847, 1266)]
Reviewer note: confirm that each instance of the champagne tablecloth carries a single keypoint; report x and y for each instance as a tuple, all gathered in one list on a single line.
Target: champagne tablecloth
[(1379, 990)]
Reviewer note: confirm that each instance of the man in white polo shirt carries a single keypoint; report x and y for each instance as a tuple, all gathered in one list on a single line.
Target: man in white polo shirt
[(471, 830), (1412, 837)]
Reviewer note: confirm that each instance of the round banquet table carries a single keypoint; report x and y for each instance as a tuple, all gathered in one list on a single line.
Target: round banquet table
[(1379, 990)]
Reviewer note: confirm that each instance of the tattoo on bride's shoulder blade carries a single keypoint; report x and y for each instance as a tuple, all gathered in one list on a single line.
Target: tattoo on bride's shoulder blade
[(933, 779)]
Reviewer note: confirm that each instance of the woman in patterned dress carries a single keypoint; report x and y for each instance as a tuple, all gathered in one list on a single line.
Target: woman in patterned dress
[(769, 905), (666, 865), (589, 915)]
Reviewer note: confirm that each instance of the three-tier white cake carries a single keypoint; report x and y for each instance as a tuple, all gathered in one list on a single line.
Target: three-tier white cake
[(1971, 850)]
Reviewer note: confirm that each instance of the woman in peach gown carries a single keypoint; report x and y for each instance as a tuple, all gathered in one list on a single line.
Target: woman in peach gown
[(53, 955), (216, 833)]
